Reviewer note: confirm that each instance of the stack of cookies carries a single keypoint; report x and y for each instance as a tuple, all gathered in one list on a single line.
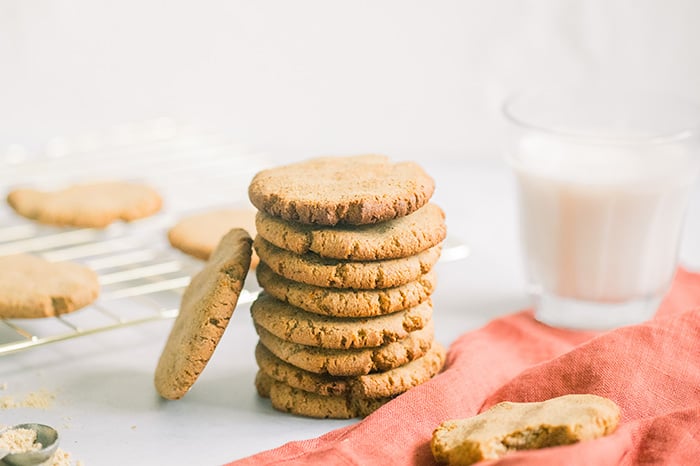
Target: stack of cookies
[(346, 247)]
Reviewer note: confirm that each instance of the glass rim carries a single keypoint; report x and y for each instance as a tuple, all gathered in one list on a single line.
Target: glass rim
[(685, 132)]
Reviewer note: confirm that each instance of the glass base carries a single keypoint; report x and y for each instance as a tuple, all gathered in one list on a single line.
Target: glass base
[(557, 311)]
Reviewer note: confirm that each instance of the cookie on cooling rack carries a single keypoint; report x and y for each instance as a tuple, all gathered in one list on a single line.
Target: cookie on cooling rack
[(31, 287), (205, 310), (92, 205), (197, 235)]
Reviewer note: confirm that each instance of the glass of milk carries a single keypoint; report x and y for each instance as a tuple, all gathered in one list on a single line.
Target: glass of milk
[(603, 178)]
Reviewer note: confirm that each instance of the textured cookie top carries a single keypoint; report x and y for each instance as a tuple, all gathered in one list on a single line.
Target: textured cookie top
[(333, 273), (519, 426), (334, 190), (349, 362), (379, 384), (198, 234), (94, 205), (31, 287), (293, 400), (400, 237), (296, 325), (340, 302), (205, 310)]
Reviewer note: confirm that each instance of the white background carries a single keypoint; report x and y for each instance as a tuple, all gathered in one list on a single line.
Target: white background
[(411, 79), (421, 80)]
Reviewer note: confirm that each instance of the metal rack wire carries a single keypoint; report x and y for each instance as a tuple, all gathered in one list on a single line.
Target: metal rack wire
[(142, 278)]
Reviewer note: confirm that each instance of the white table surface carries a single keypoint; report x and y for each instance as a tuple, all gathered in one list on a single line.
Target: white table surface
[(108, 412)]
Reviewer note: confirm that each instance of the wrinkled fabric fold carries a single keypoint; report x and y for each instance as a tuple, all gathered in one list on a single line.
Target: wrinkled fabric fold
[(651, 370)]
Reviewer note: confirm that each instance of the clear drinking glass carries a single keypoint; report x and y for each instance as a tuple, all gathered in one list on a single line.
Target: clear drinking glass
[(603, 179)]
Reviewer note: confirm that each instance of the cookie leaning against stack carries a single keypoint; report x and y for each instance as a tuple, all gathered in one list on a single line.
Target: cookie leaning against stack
[(346, 247)]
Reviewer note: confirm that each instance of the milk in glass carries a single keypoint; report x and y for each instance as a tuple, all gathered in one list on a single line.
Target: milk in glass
[(601, 223)]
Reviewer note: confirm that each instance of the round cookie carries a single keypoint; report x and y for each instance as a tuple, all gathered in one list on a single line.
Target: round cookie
[(400, 237), (278, 370), (205, 310), (31, 287), (331, 273), (355, 190), (353, 361), (198, 234), (298, 326), (292, 400), (380, 384), (338, 302), (93, 205)]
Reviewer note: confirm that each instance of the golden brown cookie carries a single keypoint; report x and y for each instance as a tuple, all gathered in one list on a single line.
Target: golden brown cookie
[(379, 384), (332, 273), (298, 326), (353, 361), (339, 302), (31, 287), (198, 234), (205, 310), (94, 205), (400, 237), (293, 400), (356, 190), (511, 426)]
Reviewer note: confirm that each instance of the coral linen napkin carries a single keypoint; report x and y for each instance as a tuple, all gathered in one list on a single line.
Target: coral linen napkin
[(651, 370)]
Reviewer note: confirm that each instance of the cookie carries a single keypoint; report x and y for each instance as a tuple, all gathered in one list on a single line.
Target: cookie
[(332, 273), (31, 287), (293, 400), (380, 384), (340, 302), (94, 205), (522, 426), (400, 237), (198, 234), (353, 361), (355, 190), (298, 326), (205, 310)]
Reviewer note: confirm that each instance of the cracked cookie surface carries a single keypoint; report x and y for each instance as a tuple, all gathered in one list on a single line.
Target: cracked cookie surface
[(293, 400), (311, 269), (90, 205), (511, 426), (298, 326), (400, 237), (31, 287), (339, 302), (354, 190), (205, 310), (379, 384), (350, 362)]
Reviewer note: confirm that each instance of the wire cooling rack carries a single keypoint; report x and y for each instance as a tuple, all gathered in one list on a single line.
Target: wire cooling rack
[(142, 278)]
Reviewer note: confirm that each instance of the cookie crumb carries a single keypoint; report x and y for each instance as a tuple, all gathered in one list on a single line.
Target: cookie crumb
[(19, 441), (133, 427), (63, 458), (42, 399), (3, 386)]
